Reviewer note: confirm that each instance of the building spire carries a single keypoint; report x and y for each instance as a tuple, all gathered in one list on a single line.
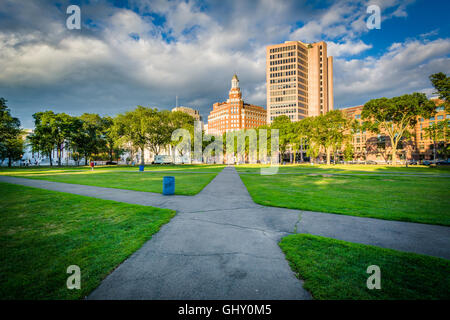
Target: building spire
[(235, 82)]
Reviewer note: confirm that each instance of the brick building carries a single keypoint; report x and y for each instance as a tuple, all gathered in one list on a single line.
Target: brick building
[(371, 146), (234, 114)]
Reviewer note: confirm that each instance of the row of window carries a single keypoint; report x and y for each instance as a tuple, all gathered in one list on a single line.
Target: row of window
[(439, 117), (282, 49), (284, 67), (288, 98), (287, 92), (283, 86), (283, 61), (282, 74)]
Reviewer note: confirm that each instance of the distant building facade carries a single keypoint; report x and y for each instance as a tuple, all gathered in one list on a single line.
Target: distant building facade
[(299, 80), (192, 112), (371, 146), (234, 114)]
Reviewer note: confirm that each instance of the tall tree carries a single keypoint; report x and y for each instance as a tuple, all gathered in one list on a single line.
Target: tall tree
[(180, 120), (441, 83), (282, 123), (328, 131), (93, 130), (158, 130), (134, 129), (42, 139), (11, 141), (114, 152), (435, 133), (396, 116)]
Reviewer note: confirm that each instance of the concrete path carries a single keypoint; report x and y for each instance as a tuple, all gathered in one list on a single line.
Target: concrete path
[(221, 245)]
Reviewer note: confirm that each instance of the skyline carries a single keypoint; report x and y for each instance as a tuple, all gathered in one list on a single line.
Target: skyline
[(147, 52)]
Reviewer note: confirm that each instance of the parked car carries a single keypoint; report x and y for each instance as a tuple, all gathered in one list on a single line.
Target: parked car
[(110, 163), (371, 162), (162, 159), (426, 162), (443, 162)]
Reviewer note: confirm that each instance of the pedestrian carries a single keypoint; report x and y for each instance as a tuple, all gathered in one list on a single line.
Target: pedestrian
[(92, 165)]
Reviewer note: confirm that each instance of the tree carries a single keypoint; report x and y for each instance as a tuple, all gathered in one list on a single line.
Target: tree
[(435, 133), (180, 120), (41, 139), (114, 152), (158, 130), (90, 138), (348, 152), (396, 115), (12, 149), (328, 131), (282, 123), (11, 141), (442, 85), (141, 128)]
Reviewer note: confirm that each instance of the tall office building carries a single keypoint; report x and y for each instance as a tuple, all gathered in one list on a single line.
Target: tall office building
[(299, 80)]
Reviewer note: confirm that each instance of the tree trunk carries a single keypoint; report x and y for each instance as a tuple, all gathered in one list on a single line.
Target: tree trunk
[(50, 158), (434, 152), (301, 152), (394, 155), (85, 159), (59, 156), (328, 155), (142, 156), (9, 162)]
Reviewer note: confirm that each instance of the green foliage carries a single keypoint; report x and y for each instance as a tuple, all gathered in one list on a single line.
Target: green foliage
[(436, 133), (328, 131), (348, 152), (396, 116), (441, 83), (11, 141)]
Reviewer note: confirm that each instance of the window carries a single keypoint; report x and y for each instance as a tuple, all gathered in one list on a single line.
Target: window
[(358, 116), (432, 119), (440, 117)]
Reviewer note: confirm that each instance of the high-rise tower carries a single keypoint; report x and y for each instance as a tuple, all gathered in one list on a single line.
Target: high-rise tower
[(299, 80)]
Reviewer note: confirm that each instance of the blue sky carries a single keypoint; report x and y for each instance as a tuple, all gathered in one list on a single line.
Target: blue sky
[(130, 53)]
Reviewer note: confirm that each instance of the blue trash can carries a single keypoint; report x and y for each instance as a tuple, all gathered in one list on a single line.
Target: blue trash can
[(141, 167), (168, 185)]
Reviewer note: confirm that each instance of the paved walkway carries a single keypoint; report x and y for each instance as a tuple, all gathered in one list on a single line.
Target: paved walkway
[(221, 245)]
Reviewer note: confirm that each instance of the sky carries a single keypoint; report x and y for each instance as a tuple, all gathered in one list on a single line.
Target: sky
[(130, 53)]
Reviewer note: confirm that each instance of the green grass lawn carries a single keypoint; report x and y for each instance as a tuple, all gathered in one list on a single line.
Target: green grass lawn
[(334, 269), (43, 232), (189, 182), (422, 199), (353, 168)]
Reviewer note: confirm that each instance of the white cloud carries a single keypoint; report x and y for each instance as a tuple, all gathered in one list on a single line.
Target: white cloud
[(404, 68), (346, 48), (104, 69)]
